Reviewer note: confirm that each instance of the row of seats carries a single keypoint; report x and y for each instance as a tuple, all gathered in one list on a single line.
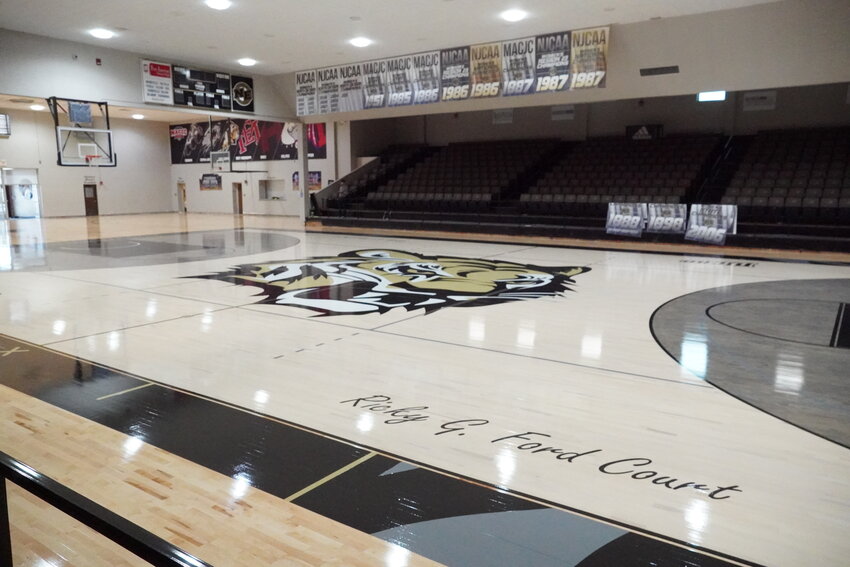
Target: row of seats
[(826, 210), (584, 205), (794, 176)]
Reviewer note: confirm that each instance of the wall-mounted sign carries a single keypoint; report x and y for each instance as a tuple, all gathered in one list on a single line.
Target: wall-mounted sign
[(156, 82), (754, 101), (211, 182)]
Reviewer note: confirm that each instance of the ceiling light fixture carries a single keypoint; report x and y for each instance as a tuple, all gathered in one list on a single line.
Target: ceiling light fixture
[(711, 96), (101, 33), (513, 15), (36, 107), (247, 62), (360, 41), (218, 4), (138, 117)]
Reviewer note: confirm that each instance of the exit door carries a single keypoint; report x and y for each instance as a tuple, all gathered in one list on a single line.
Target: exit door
[(90, 197), (237, 198)]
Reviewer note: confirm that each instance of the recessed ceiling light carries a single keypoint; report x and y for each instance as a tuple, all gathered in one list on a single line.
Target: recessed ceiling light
[(36, 107), (218, 4), (138, 117), (513, 15), (247, 62), (360, 41), (101, 33)]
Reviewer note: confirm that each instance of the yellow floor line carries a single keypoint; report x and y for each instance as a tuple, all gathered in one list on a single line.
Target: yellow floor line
[(125, 391), (330, 477)]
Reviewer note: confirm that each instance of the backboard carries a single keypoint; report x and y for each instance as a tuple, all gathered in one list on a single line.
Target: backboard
[(83, 133)]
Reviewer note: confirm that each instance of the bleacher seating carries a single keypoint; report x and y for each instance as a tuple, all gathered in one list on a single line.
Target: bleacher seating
[(599, 171), (460, 177), (794, 176)]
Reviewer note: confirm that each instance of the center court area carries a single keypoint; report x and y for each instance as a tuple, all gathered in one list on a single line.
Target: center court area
[(252, 392)]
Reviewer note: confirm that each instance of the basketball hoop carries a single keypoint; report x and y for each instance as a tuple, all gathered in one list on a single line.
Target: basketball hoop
[(90, 160)]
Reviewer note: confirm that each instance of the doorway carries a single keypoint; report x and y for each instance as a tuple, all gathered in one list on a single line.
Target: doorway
[(20, 193), (181, 196), (237, 198), (90, 197)]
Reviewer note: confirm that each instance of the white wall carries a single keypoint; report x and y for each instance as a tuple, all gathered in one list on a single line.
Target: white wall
[(779, 44), (38, 66), (222, 201), (139, 183)]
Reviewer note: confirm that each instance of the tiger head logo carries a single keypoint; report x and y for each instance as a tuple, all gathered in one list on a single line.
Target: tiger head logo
[(376, 281)]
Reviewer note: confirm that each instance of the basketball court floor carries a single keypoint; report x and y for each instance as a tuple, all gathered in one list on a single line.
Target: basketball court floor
[(260, 395)]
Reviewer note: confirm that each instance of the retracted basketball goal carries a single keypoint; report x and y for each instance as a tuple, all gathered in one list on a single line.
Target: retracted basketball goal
[(83, 133)]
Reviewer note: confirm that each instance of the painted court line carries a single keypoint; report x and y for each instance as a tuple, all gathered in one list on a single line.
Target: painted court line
[(330, 477), (125, 391)]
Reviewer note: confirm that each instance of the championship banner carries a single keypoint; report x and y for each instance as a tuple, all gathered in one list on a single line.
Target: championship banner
[(426, 77), (305, 93), (518, 66), (156, 82), (351, 95), (327, 90), (552, 72), (667, 218), (626, 219), (400, 81), (589, 58), (485, 67), (454, 74), (375, 84), (711, 223)]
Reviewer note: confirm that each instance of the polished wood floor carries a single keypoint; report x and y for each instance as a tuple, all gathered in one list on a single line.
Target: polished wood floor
[(563, 400)]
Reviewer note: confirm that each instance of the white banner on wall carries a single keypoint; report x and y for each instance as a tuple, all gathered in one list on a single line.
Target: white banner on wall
[(156, 82), (754, 101)]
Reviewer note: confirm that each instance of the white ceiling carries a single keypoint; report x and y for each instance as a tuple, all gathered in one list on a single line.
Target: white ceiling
[(290, 35)]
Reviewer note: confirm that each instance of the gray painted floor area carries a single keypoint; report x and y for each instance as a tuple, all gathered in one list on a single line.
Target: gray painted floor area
[(769, 345), (531, 538)]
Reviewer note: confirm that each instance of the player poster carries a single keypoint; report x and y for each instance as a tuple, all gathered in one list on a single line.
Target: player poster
[(552, 72), (454, 74), (305, 93), (400, 81), (426, 77), (245, 139), (589, 58), (375, 84), (485, 69), (327, 90), (518, 66), (351, 96)]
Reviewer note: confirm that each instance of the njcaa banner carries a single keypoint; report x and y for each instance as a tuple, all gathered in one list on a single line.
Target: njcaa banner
[(667, 218), (351, 96), (426, 77), (485, 66), (626, 219), (454, 74), (589, 58), (305, 93), (375, 84), (553, 63), (711, 223), (518, 67), (400, 81), (327, 90)]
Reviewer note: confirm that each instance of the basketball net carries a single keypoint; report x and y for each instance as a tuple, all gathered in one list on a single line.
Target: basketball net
[(91, 161)]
